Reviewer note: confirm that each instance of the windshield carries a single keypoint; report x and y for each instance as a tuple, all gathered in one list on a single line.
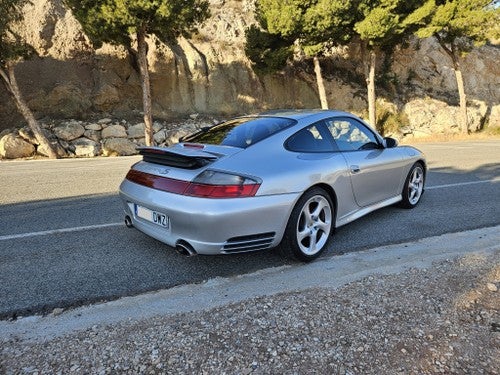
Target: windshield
[(241, 132)]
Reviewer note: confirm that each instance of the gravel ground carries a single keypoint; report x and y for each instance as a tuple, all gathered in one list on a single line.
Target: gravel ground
[(443, 319)]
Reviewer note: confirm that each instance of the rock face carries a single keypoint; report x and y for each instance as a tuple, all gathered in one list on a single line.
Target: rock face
[(211, 75), (430, 116)]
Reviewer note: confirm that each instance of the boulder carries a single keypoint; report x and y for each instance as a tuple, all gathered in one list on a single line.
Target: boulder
[(136, 131), (60, 150), (160, 137), (69, 131), (118, 147), (114, 131), (157, 126), (173, 136), (86, 147), (494, 120), (12, 147), (26, 134), (94, 135), (94, 127)]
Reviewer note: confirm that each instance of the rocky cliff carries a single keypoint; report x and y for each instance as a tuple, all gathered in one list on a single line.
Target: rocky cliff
[(211, 75)]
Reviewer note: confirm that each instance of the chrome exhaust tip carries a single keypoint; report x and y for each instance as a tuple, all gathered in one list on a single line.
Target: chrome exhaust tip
[(128, 222), (183, 248)]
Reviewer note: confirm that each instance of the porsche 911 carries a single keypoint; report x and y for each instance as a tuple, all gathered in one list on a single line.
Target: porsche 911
[(282, 179)]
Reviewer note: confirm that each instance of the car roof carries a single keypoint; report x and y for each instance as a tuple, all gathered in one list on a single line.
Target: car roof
[(299, 114)]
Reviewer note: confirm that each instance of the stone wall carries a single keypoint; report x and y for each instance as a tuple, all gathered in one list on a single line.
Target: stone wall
[(103, 137)]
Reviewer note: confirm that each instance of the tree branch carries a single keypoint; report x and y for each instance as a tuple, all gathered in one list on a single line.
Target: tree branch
[(445, 47)]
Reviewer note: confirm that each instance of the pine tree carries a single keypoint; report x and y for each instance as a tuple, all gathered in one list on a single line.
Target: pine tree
[(130, 22), (12, 51), (458, 26), (380, 28), (311, 24)]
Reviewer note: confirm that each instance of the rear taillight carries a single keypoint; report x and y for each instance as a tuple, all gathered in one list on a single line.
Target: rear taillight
[(208, 184)]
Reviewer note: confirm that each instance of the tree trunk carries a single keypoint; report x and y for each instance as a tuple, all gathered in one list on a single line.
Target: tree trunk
[(321, 85), (463, 100), (452, 52), (142, 52), (11, 84), (370, 84)]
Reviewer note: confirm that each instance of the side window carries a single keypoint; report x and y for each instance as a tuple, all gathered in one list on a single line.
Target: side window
[(310, 139), (351, 135)]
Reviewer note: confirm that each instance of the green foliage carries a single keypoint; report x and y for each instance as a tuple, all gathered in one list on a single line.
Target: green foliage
[(377, 26), (12, 48), (383, 23), (114, 21), (389, 122), (313, 23), (389, 119), (284, 18), (455, 22), (329, 21), (269, 52)]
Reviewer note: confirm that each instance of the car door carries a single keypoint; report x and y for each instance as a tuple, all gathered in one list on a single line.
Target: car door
[(375, 171)]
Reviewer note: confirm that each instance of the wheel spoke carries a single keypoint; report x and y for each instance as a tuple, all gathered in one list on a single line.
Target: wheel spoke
[(412, 194), (313, 243), (307, 216), (324, 226), (303, 234), (415, 185), (321, 206)]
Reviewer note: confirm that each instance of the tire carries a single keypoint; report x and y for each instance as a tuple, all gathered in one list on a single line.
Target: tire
[(413, 187), (309, 227)]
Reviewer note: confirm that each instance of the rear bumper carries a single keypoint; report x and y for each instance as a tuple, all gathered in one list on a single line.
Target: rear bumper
[(211, 226)]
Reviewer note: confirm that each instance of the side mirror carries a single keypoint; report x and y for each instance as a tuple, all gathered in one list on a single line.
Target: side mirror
[(390, 142)]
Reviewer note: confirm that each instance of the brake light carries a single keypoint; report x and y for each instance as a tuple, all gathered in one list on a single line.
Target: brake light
[(221, 191), (208, 184), (157, 182)]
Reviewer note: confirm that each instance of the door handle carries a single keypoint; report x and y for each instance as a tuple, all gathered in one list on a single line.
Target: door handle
[(355, 169)]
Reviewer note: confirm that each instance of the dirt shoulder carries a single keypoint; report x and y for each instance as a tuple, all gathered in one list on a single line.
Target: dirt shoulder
[(425, 307)]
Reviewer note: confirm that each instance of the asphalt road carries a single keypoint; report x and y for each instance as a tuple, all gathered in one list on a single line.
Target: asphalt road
[(63, 244)]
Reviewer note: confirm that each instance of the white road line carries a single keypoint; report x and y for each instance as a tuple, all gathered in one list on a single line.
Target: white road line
[(56, 231), (462, 184)]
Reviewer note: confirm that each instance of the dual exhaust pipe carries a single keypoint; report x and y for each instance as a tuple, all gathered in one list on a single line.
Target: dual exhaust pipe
[(182, 247)]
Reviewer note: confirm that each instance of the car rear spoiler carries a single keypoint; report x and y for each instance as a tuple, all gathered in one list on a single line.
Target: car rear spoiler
[(185, 158)]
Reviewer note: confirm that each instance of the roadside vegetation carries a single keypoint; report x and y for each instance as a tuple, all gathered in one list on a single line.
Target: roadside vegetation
[(310, 28)]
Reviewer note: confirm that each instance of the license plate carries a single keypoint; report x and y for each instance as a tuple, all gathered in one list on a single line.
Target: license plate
[(152, 216)]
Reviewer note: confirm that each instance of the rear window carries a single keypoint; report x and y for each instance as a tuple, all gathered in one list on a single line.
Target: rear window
[(241, 132)]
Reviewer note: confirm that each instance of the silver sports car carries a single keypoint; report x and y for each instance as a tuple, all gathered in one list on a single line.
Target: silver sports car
[(283, 178)]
